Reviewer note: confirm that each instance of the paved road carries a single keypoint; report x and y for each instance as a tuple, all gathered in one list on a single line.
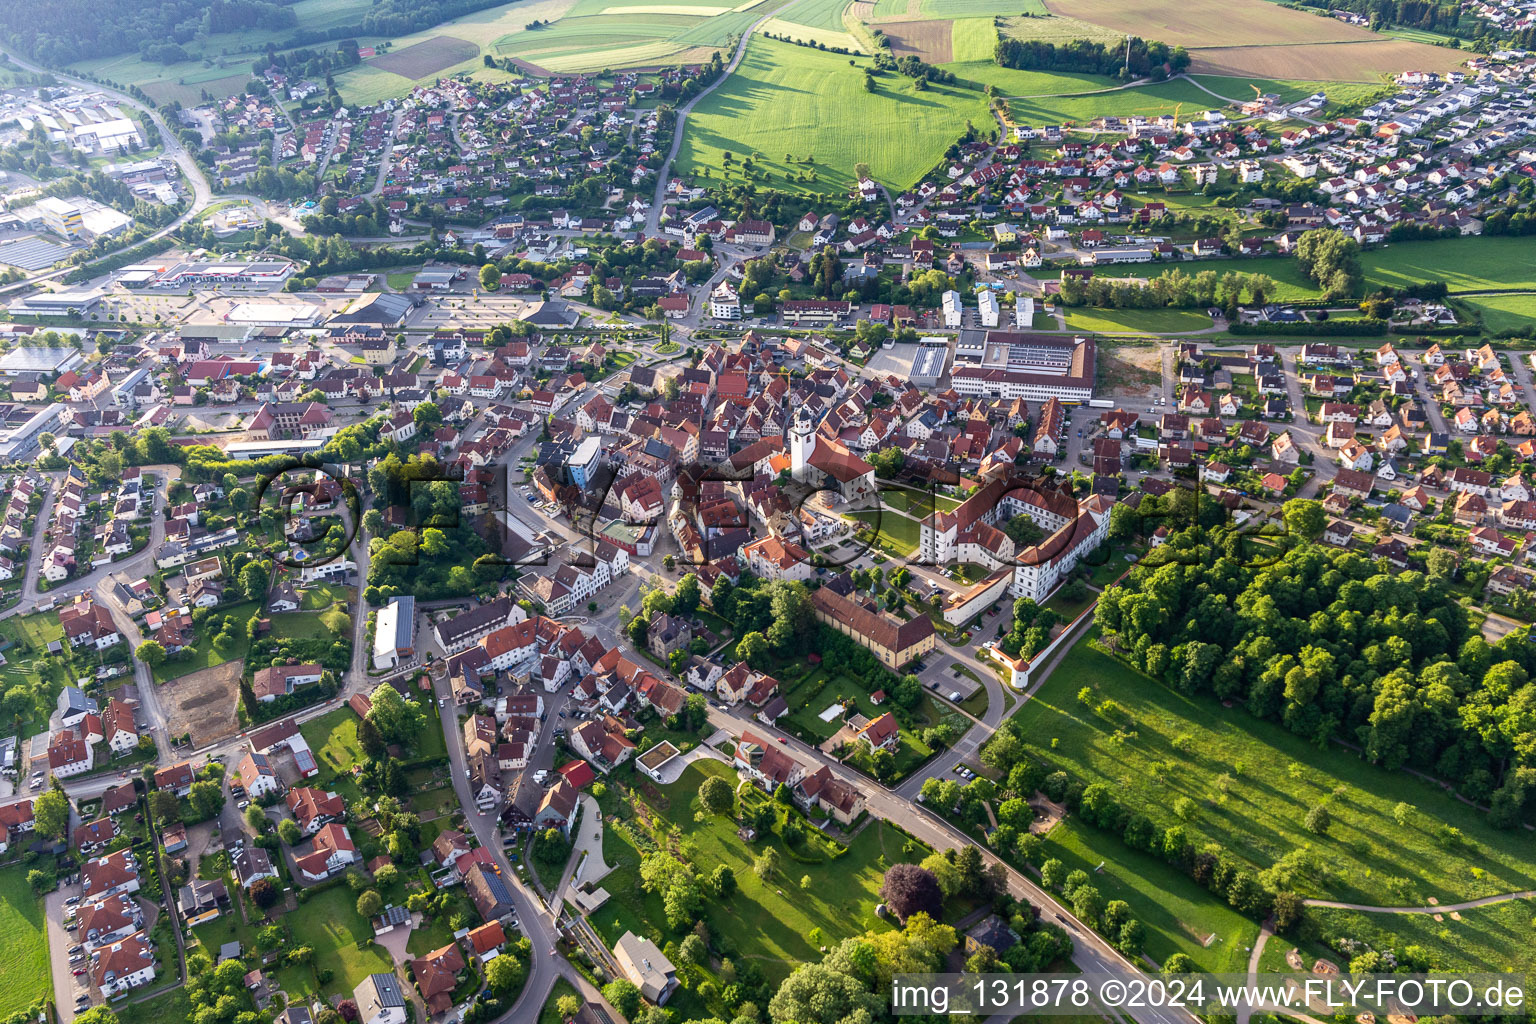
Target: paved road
[(653, 216), (533, 916), (1091, 953)]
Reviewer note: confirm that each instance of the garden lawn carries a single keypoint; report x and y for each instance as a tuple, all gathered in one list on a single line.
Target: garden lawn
[(1150, 321), (1178, 914), (1272, 779), (329, 924), (787, 99), (24, 975), (32, 669), (433, 934), (916, 504), (320, 597), (771, 922), (333, 738), (300, 626), (1505, 312), (173, 1007), (203, 655), (805, 709), (548, 1014), (898, 533)]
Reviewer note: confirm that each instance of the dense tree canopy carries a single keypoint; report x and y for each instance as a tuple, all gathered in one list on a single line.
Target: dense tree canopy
[(1332, 647)]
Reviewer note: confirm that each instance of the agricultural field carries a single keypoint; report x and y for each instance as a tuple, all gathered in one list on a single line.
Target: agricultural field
[(1249, 785), (972, 39), (1056, 28), (929, 41), (1367, 61), (981, 8), (24, 975), (807, 103), (1505, 312), (1254, 37), (1202, 23), (827, 14)]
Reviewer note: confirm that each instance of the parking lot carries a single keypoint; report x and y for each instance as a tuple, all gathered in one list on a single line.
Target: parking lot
[(67, 985)]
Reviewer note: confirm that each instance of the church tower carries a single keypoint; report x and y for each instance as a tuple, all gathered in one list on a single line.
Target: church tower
[(802, 442)]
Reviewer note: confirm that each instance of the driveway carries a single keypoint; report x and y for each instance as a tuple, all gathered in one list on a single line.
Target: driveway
[(396, 940)]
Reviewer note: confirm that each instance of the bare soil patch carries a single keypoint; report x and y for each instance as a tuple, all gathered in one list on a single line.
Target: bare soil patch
[(427, 57), (928, 40), (1131, 370), (1363, 61), (203, 703)]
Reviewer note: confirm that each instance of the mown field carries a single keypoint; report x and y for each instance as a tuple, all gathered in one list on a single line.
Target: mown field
[(1240, 87), (1505, 312), (1250, 784), (1179, 916), (791, 99), (1465, 264), (1150, 321), (1085, 97), (24, 974)]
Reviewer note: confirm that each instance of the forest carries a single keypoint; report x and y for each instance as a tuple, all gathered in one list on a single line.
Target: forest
[(1333, 648), (1086, 57), (64, 31)]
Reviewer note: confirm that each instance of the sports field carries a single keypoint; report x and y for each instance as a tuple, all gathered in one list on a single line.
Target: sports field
[(804, 102)]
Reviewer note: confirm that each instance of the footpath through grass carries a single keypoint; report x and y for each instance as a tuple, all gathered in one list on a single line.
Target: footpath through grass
[(1249, 785)]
